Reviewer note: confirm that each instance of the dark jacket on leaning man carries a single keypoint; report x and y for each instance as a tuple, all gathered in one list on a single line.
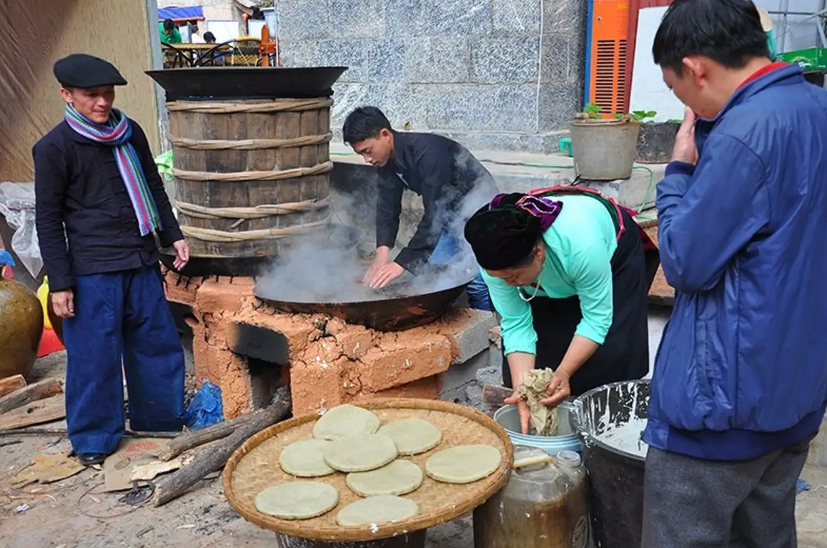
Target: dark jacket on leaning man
[(444, 173), (78, 184)]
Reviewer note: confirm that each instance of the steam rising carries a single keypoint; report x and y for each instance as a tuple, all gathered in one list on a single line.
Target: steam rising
[(325, 267)]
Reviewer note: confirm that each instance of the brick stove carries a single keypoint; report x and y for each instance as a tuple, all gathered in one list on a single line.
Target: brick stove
[(249, 350)]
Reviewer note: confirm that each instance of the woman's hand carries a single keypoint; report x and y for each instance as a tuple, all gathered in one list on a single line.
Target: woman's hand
[(520, 363), (522, 409), (558, 389)]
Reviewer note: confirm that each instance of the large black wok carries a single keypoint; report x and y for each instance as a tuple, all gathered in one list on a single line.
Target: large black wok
[(247, 82), (392, 310)]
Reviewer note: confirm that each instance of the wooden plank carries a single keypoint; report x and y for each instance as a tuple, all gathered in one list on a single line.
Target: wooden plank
[(48, 410), (37, 391), (11, 384)]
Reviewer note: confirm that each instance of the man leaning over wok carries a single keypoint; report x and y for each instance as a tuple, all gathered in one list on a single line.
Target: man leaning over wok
[(451, 181)]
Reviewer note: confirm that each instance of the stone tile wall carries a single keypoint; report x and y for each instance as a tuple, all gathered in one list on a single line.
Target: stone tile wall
[(494, 74)]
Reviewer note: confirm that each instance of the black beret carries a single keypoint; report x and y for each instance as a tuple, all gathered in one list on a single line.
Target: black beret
[(86, 71), (503, 237)]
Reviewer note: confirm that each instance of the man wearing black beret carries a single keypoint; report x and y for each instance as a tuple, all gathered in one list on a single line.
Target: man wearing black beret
[(100, 206)]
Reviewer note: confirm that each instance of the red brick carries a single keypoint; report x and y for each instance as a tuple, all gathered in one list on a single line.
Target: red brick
[(316, 385), (298, 330), (221, 296), (428, 388), (355, 341), (178, 290), (414, 356)]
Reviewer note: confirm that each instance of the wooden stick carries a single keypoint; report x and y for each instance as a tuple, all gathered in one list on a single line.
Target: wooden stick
[(34, 392), (180, 481), (196, 438), (34, 431), (11, 384), (495, 396)]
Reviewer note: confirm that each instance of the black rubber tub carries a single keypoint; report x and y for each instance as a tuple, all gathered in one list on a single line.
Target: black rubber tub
[(655, 142), (615, 469)]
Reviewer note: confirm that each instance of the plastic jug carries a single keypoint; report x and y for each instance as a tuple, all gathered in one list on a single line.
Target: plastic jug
[(543, 505)]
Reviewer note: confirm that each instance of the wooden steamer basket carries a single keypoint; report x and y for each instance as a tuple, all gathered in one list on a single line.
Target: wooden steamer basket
[(254, 467), (252, 162)]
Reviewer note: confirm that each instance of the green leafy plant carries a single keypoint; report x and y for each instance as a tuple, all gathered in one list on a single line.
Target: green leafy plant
[(592, 111), (638, 116), (674, 121), (643, 115)]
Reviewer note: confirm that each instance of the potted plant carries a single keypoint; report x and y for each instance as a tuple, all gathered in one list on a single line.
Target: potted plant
[(654, 145), (604, 147)]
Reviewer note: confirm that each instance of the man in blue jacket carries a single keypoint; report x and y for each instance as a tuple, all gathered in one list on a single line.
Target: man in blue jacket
[(740, 380)]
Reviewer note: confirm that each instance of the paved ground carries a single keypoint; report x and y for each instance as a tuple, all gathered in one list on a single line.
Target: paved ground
[(75, 514)]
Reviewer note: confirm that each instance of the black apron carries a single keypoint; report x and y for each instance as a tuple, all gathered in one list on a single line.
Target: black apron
[(625, 353)]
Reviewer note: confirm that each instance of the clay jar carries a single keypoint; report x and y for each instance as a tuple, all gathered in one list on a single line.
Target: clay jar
[(21, 327)]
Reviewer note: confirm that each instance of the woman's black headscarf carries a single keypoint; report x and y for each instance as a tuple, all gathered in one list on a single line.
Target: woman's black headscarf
[(503, 233)]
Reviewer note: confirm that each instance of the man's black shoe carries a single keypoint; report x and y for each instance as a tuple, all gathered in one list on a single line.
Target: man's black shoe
[(91, 459)]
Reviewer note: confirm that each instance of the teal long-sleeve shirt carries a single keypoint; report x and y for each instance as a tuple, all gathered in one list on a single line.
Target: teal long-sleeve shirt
[(579, 248)]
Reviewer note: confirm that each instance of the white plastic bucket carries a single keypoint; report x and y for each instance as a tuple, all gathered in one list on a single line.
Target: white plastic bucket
[(566, 440)]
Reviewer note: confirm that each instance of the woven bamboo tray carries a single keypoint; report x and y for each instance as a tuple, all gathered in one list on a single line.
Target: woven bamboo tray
[(254, 467)]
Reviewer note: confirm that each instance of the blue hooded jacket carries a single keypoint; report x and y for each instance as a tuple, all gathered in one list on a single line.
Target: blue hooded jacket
[(742, 367)]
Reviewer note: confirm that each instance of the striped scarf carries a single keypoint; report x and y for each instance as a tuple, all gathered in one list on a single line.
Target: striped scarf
[(117, 134)]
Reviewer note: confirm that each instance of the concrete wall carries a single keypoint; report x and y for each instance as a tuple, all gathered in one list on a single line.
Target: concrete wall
[(494, 74), (34, 34)]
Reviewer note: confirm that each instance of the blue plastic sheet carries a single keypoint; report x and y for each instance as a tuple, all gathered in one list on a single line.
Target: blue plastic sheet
[(179, 14), (206, 408)]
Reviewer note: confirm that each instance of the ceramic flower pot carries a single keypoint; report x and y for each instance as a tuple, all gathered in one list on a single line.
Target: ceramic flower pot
[(604, 150)]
